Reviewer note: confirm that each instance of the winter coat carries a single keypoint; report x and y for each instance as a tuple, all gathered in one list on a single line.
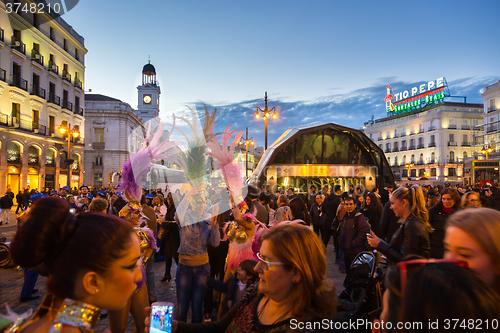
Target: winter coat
[(170, 240), (330, 205), (373, 216), (317, 215), (353, 232), (6, 202), (437, 220), (412, 237)]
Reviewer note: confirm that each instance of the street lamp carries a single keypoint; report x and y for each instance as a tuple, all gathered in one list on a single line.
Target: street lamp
[(486, 149), (266, 114), (409, 166), (66, 128), (247, 142)]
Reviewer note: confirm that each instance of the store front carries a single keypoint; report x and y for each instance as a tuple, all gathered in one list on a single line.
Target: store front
[(13, 179), (322, 154), (33, 179)]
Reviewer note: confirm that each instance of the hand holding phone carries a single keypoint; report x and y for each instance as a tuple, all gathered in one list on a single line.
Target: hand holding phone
[(161, 317)]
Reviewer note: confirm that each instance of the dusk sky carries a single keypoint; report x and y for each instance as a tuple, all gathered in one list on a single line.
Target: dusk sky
[(318, 60)]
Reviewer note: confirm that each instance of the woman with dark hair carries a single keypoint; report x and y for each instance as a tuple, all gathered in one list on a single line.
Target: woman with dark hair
[(170, 239), (438, 296), (438, 215), (90, 259), (373, 212), (299, 210), (412, 237)]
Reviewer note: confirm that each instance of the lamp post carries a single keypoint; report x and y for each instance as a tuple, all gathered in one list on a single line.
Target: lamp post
[(247, 142), (266, 113), (486, 149), (71, 132), (409, 166)]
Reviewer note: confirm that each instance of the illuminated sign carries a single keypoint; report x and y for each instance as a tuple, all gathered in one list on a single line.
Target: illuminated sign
[(429, 93)]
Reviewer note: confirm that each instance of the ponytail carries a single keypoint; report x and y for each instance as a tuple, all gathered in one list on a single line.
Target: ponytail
[(415, 198)]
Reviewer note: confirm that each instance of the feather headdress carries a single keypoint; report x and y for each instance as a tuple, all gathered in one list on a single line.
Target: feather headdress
[(195, 157), (230, 168)]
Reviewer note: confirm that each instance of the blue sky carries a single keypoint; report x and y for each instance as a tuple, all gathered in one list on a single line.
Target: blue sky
[(318, 60)]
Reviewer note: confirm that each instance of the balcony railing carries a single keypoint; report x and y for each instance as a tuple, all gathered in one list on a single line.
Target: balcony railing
[(38, 91), (78, 83), (432, 144), (50, 164), (492, 109), (420, 146), (33, 160), (395, 149), (53, 67), (36, 56), (40, 129), (2, 74), (431, 128), (388, 150), (66, 76), (466, 144), (379, 139), (404, 148), (412, 148), (54, 99), (491, 128), (432, 161), (465, 127), (18, 45), (67, 105), (420, 162), (19, 82), (98, 145), (452, 126), (78, 110), (14, 159), (452, 144)]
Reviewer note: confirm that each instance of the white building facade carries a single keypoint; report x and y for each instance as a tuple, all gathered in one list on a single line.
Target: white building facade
[(430, 142), (42, 71), (491, 130)]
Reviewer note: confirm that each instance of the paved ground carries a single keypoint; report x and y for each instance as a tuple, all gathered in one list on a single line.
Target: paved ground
[(11, 281)]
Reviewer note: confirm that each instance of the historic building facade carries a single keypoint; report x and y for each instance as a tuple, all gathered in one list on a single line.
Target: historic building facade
[(42, 71)]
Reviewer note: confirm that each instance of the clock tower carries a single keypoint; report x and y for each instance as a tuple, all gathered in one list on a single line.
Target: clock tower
[(148, 106)]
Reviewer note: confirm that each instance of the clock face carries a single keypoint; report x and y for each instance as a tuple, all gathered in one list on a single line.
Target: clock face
[(147, 99)]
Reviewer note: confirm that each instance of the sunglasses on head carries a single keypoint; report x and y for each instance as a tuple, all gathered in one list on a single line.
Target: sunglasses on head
[(403, 267)]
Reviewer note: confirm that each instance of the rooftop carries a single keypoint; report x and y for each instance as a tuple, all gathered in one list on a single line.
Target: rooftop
[(100, 98)]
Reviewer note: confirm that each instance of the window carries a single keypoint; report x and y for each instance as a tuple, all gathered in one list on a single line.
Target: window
[(395, 161), (405, 172), (492, 105), (420, 142), (403, 144), (452, 172), (16, 112), (65, 45), (52, 34), (420, 128), (52, 124), (431, 125), (396, 133), (452, 156), (421, 159), (432, 139), (99, 134), (412, 159), (371, 136), (413, 173), (98, 161), (433, 172), (433, 157), (465, 155), (421, 172), (77, 56), (452, 138), (97, 179), (388, 147), (465, 139), (35, 118), (404, 159)]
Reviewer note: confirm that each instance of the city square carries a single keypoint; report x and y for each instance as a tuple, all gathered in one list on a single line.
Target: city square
[(297, 180)]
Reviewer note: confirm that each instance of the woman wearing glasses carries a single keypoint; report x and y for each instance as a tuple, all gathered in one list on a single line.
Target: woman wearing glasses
[(292, 287), (473, 235), (412, 237), (471, 199)]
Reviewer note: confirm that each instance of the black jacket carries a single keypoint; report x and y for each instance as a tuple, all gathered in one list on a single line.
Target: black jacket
[(493, 201), (388, 223), (437, 220), (330, 205), (6, 202), (412, 237), (170, 240), (262, 214), (373, 216), (316, 211)]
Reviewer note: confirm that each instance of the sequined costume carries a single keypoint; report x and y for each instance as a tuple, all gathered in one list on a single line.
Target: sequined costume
[(71, 313)]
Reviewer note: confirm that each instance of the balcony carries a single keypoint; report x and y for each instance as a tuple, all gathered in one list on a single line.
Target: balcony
[(412, 147), (19, 82), (67, 105), (465, 127), (431, 128), (4, 119), (18, 45), (404, 148), (50, 163), (432, 161), (420, 162), (452, 126), (78, 84), (36, 57), (452, 144), (97, 165), (2, 74), (78, 110), (54, 99), (37, 91), (379, 139), (432, 144), (491, 128), (39, 129), (98, 145), (33, 161), (14, 159), (66, 76), (395, 149), (402, 134), (492, 109), (387, 150), (420, 146), (53, 67), (466, 144)]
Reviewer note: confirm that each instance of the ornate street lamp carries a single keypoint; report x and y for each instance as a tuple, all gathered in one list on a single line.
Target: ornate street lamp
[(266, 114), (71, 132), (486, 149), (409, 166)]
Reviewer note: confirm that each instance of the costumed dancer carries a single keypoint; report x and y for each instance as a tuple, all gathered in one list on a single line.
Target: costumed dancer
[(244, 232), (134, 169)]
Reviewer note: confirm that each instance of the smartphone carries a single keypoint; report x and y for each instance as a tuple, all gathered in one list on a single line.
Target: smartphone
[(161, 317)]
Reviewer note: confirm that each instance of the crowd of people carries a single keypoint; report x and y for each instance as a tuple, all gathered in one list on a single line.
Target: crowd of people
[(266, 255)]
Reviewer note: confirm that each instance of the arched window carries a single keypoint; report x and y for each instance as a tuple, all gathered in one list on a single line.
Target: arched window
[(33, 156), (76, 162), (395, 161), (412, 159), (421, 159), (465, 155), (452, 156), (50, 158), (404, 159), (433, 157), (13, 153)]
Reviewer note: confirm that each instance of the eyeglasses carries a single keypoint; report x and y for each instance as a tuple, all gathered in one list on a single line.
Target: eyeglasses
[(403, 267), (268, 264)]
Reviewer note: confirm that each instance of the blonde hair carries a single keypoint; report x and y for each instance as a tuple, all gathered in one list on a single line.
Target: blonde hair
[(481, 224), (465, 199), (415, 198), (298, 247)]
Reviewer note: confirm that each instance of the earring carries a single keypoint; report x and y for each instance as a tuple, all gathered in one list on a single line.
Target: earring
[(95, 291)]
